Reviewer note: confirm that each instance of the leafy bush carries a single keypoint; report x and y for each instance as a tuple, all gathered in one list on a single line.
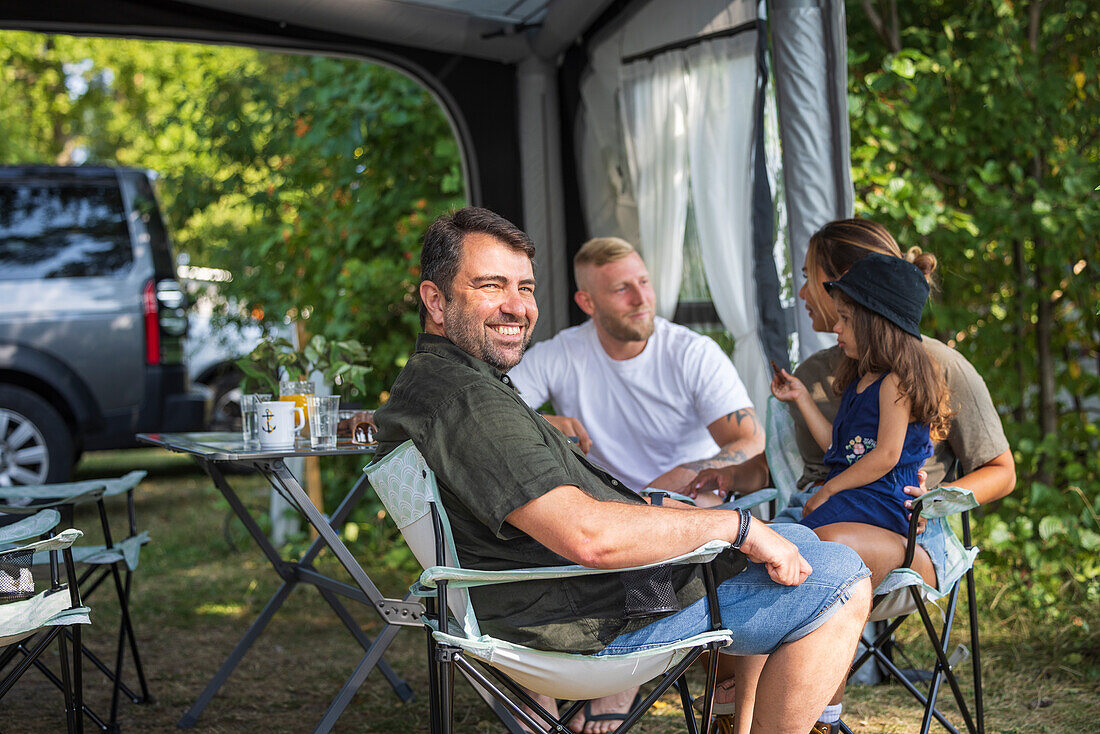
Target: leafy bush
[(975, 138)]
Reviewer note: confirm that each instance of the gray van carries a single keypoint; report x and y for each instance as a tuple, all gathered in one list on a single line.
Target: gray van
[(92, 319)]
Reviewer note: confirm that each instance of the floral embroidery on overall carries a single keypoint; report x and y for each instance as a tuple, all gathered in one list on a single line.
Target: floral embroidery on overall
[(857, 447)]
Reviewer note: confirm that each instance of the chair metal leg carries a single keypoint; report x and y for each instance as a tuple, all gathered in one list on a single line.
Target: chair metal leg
[(445, 661), (51, 676), (29, 658), (434, 707), (474, 674), (943, 665), (976, 653), (78, 676), (686, 704), (975, 648), (72, 714), (135, 655)]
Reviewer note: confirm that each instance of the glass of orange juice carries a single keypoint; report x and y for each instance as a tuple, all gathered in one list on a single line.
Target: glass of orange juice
[(296, 391)]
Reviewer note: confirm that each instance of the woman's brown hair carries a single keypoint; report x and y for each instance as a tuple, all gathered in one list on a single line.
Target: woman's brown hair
[(886, 348), (840, 243)]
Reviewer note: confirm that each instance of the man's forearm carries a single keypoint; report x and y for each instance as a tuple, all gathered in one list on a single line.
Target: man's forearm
[(740, 436), (618, 535), (731, 454)]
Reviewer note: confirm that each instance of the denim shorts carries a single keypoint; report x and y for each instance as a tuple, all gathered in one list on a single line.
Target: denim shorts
[(761, 614), (934, 539)]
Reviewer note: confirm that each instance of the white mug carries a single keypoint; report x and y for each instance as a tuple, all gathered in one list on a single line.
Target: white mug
[(280, 421)]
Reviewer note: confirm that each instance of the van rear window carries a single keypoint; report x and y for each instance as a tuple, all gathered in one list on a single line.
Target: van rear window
[(63, 230)]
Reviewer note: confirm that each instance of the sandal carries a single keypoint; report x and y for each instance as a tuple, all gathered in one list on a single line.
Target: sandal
[(611, 715)]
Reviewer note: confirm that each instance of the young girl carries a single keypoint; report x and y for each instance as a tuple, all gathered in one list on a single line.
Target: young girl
[(893, 398)]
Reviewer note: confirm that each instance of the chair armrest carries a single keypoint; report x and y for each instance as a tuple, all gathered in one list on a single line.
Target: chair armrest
[(752, 499), (61, 541), (465, 577), (744, 502), (944, 501), (668, 493), (124, 483), (29, 527), (49, 495)]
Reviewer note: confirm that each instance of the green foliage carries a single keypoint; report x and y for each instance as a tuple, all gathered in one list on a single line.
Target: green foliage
[(311, 179), (343, 364), (978, 141)]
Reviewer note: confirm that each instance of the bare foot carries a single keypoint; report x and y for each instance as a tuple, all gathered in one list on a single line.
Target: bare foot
[(550, 704), (618, 703)]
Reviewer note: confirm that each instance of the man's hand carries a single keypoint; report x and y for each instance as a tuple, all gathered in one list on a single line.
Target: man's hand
[(719, 481), (780, 556), (571, 427), (922, 475)]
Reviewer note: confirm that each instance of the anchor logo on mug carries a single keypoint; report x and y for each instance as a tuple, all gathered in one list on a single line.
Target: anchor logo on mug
[(281, 421)]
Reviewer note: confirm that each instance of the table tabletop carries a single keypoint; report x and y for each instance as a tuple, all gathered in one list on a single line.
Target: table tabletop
[(229, 446)]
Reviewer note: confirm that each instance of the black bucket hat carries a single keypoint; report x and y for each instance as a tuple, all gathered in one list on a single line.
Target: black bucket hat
[(893, 288)]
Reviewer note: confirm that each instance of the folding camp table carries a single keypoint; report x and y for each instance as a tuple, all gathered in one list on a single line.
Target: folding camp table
[(211, 450)]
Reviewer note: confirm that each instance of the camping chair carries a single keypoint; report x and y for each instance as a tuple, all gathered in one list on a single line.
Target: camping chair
[(114, 559), (408, 489), (903, 591), (26, 614)]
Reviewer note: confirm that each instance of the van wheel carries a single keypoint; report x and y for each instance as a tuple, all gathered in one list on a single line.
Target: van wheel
[(225, 414), (36, 446)]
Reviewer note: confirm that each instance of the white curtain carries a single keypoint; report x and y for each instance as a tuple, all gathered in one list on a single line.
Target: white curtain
[(721, 91), (654, 101)]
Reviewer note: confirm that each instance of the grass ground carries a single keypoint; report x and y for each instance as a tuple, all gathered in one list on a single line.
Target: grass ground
[(201, 583)]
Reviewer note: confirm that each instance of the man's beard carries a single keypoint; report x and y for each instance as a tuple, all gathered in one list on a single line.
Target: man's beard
[(625, 330), (471, 337)]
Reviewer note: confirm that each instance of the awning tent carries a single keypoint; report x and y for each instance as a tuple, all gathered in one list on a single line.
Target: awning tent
[(536, 92)]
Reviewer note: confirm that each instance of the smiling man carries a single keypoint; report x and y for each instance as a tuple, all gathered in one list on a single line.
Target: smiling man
[(518, 494), (650, 401)]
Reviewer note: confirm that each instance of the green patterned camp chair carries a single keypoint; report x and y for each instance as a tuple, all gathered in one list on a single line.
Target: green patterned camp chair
[(903, 591), (407, 487), (115, 559), (30, 622)]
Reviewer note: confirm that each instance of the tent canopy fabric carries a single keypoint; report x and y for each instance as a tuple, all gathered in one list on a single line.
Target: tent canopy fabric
[(508, 72)]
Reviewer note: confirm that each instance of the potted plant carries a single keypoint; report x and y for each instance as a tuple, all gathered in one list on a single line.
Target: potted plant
[(344, 364)]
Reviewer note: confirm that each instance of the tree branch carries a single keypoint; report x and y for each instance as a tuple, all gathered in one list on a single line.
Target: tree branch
[(889, 36)]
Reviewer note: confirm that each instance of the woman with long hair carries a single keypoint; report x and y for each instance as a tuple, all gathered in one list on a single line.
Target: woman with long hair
[(975, 437)]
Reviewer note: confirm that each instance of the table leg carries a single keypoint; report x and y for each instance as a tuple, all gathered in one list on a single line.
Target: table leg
[(337, 519), (400, 687), (369, 661), (280, 476), (239, 651), (246, 519), (273, 605)]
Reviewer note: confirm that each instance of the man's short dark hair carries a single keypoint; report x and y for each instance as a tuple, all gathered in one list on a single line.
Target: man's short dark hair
[(442, 249)]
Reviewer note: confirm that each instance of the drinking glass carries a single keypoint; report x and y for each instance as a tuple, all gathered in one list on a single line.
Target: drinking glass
[(323, 414), (296, 391), (250, 422)]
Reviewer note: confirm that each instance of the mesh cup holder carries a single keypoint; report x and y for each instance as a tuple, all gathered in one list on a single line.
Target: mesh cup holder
[(16, 581), (649, 591)]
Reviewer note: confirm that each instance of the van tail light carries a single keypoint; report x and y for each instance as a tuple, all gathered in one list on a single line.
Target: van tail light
[(150, 309)]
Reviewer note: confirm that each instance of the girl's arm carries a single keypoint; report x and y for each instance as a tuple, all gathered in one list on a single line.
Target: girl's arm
[(789, 389), (893, 420)]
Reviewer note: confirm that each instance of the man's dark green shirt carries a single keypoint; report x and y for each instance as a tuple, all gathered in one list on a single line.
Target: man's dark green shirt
[(491, 455)]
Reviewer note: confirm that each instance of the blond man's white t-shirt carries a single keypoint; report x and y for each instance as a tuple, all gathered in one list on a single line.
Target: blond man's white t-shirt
[(645, 415)]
